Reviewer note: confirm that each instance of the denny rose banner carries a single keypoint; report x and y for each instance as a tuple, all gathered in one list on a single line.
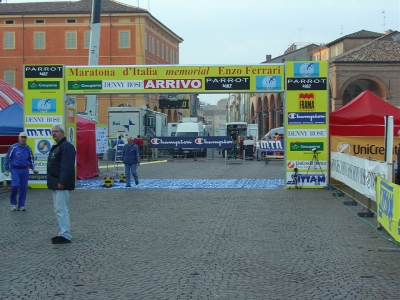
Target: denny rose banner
[(191, 142), (174, 79), (358, 173)]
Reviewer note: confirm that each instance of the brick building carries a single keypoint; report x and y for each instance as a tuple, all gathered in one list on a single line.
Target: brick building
[(58, 33), (363, 61), (360, 61)]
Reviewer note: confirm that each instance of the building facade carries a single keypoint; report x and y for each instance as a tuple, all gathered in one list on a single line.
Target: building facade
[(58, 33), (363, 61), (360, 61)]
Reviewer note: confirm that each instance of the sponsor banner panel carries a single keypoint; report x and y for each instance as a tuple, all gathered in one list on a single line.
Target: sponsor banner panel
[(306, 164), (272, 146), (307, 133), (101, 138), (306, 69), (173, 79), (191, 142), (43, 107), (43, 120), (388, 204), (43, 71), (311, 179), (227, 83), (306, 118), (306, 129), (358, 173), (362, 146)]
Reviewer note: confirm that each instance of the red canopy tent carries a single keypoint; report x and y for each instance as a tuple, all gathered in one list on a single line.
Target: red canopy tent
[(87, 160), (363, 116), (86, 157)]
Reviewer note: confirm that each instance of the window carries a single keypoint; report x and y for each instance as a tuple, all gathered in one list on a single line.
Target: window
[(39, 21), (9, 76), (124, 39), (149, 41), (171, 59), (162, 51), (152, 45), (87, 40), (70, 42), (158, 48), (9, 40), (166, 53), (39, 42), (145, 41), (9, 22), (71, 21)]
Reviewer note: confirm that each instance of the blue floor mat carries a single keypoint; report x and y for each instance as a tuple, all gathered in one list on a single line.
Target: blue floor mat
[(186, 184)]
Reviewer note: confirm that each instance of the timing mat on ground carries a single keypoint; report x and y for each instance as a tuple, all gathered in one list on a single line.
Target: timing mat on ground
[(185, 184)]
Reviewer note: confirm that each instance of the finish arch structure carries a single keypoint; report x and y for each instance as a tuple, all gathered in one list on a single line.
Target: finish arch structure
[(51, 88)]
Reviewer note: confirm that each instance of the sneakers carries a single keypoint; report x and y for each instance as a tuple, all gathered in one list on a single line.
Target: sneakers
[(15, 208), (136, 182), (60, 240), (128, 185)]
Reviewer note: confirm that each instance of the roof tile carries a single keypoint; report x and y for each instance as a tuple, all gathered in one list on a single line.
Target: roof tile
[(383, 49), (62, 7)]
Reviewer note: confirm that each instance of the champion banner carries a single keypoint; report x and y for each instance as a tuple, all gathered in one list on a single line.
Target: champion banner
[(191, 142)]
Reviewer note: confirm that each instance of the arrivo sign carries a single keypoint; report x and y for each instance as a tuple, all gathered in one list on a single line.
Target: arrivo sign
[(173, 84)]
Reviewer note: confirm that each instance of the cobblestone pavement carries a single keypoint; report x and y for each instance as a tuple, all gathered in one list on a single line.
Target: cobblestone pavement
[(196, 243)]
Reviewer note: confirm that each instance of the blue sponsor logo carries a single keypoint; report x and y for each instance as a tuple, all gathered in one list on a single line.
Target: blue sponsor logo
[(268, 83), (386, 203), (308, 69), (314, 179), (43, 105), (306, 118), (43, 146)]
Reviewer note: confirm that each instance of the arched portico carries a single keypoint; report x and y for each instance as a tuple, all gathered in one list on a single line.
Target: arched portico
[(358, 84)]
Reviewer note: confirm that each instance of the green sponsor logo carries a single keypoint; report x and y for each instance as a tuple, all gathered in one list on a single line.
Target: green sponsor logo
[(306, 146), (43, 85), (85, 85)]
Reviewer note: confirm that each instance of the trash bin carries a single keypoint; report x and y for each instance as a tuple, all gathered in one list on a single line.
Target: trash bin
[(111, 154)]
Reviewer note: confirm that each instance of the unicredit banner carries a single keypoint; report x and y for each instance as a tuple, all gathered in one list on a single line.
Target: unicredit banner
[(191, 142)]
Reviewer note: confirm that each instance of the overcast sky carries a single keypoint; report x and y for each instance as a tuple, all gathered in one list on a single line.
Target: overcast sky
[(217, 32)]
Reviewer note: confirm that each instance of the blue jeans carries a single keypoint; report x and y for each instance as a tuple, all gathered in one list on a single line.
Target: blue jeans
[(131, 169), (60, 200), (19, 183)]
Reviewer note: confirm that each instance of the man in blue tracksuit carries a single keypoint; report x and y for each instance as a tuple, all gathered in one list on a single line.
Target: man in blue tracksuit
[(18, 159), (131, 159)]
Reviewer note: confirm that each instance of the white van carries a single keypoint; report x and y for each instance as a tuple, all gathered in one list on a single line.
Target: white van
[(172, 126), (271, 133), (190, 129)]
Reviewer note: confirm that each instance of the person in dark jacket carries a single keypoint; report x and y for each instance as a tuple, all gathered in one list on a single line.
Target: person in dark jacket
[(131, 160), (18, 160), (61, 180)]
